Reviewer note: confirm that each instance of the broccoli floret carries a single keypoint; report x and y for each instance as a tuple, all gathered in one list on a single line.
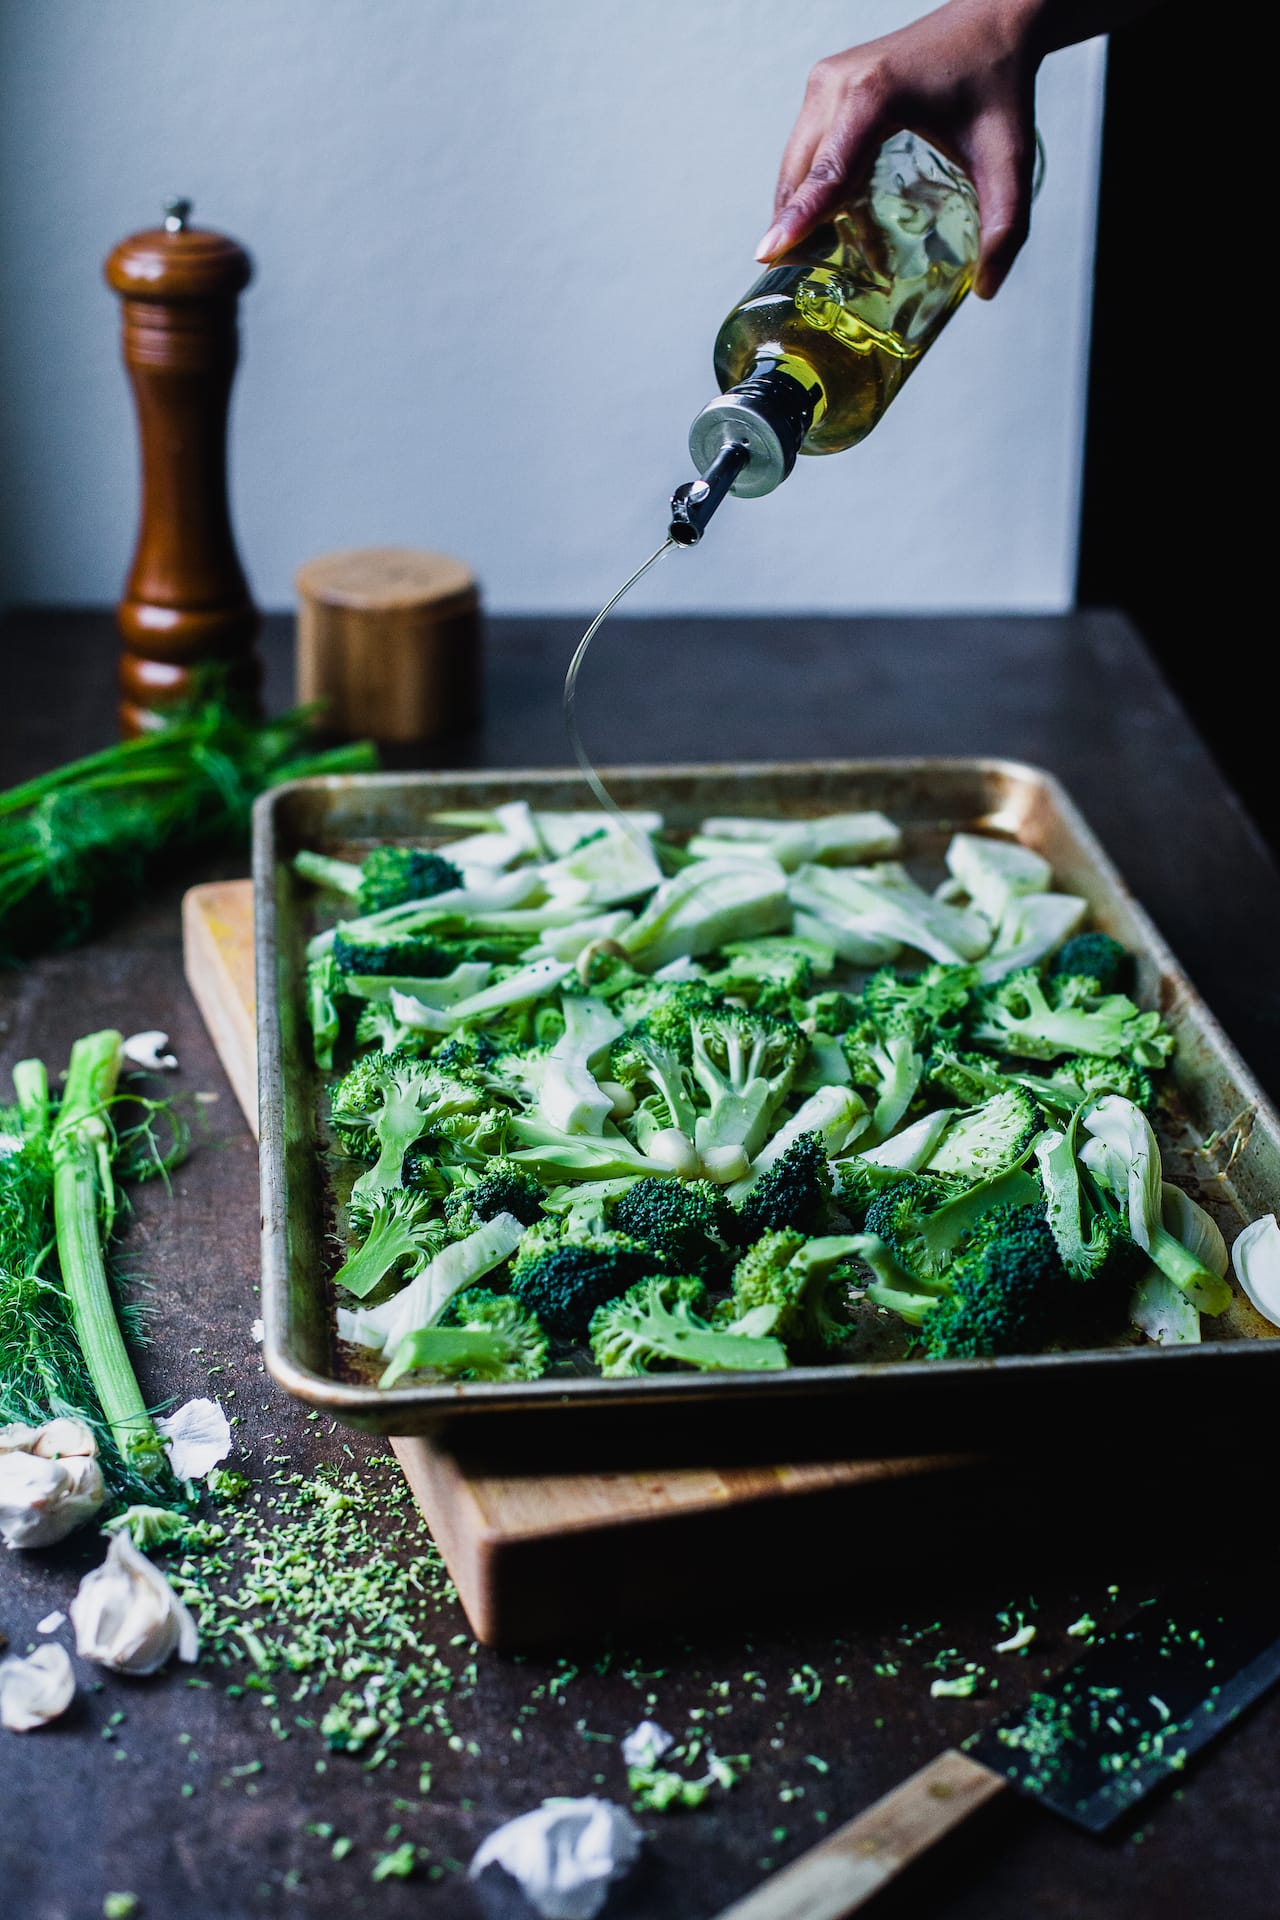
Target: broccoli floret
[(424, 958), (971, 1077), (655, 1324), (794, 1192), (503, 1187), (324, 984), (1090, 1076), (655, 1055), (975, 1077), (933, 999), (923, 1219), (397, 1227), (744, 1062), (788, 1286), (691, 1224), (483, 1336), (392, 876), (471, 1139), (1007, 1290), (1098, 957), (858, 1183), (834, 1012), (467, 1050), (377, 1026), (1025, 1015), (386, 1104), (772, 973), (562, 1277), (985, 1141)]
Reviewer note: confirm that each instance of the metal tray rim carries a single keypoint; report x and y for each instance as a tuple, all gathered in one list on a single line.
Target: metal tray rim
[(387, 1409)]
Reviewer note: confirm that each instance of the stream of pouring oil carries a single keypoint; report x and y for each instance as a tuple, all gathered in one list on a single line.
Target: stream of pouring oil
[(580, 753)]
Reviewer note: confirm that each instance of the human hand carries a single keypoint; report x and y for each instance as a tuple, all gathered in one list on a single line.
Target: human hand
[(964, 77)]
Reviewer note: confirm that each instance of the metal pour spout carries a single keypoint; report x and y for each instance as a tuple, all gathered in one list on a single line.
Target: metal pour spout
[(693, 504)]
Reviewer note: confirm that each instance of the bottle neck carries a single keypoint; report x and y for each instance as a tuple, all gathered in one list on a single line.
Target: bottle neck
[(769, 414), (745, 442)]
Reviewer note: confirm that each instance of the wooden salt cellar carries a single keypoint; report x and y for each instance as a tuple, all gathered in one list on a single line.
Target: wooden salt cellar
[(186, 603), (389, 639)]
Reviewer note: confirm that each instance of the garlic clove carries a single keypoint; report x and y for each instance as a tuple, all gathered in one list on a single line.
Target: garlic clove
[(66, 1436), (42, 1501), (35, 1690), (127, 1616), (1256, 1259), (16, 1438), (196, 1438)]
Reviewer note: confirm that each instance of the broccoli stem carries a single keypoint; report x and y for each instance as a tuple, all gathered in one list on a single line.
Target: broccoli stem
[(390, 1240), (83, 1208), (1203, 1288), (343, 876), (451, 1351), (714, 1352)]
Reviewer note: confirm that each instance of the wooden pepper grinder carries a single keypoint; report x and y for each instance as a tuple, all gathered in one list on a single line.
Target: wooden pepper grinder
[(186, 602)]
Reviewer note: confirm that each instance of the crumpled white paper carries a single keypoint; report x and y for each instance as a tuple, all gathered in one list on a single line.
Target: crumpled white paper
[(645, 1745), (1255, 1256), (127, 1616), (50, 1481), (565, 1854), (35, 1690), (147, 1050), (196, 1438)]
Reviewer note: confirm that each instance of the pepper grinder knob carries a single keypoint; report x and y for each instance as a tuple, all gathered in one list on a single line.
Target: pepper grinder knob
[(186, 602)]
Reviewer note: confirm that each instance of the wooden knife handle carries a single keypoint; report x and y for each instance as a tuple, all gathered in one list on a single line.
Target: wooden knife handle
[(848, 1869)]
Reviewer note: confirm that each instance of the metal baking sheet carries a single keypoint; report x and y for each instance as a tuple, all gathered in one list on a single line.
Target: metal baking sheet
[(861, 1407)]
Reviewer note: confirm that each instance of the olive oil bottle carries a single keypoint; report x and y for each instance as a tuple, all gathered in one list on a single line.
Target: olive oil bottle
[(811, 357)]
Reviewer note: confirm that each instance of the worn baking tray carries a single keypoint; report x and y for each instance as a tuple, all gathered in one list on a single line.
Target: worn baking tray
[(864, 1407)]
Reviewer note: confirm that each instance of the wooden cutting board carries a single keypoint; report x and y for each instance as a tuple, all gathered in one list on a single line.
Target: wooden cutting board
[(538, 1556)]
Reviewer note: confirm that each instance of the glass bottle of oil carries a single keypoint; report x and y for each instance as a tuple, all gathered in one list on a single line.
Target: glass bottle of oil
[(809, 360)]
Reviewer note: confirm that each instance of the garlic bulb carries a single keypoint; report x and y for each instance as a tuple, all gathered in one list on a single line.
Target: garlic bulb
[(50, 1482), (35, 1690), (127, 1616)]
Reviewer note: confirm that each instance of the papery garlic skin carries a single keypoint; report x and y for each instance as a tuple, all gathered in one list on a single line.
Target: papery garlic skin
[(127, 1616), (43, 1500), (35, 1690), (196, 1438), (564, 1855)]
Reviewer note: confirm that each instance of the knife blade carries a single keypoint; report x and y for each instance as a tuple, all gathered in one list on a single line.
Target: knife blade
[(1090, 1745)]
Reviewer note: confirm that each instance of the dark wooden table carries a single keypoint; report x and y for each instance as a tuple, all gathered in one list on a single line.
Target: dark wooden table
[(1078, 695)]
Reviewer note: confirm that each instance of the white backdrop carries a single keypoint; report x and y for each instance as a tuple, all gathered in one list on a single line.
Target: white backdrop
[(494, 242)]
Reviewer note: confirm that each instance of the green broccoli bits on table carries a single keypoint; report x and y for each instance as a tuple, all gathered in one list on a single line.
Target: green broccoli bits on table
[(638, 1099)]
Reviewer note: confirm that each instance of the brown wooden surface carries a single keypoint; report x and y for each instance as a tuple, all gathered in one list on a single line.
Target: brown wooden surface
[(532, 1552), (1076, 694), (186, 601), (841, 1875), (389, 640)]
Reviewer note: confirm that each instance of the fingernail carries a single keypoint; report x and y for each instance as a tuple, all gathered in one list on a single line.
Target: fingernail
[(772, 242)]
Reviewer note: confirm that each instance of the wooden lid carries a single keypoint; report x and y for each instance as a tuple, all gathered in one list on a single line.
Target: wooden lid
[(387, 580), (178, 262)]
